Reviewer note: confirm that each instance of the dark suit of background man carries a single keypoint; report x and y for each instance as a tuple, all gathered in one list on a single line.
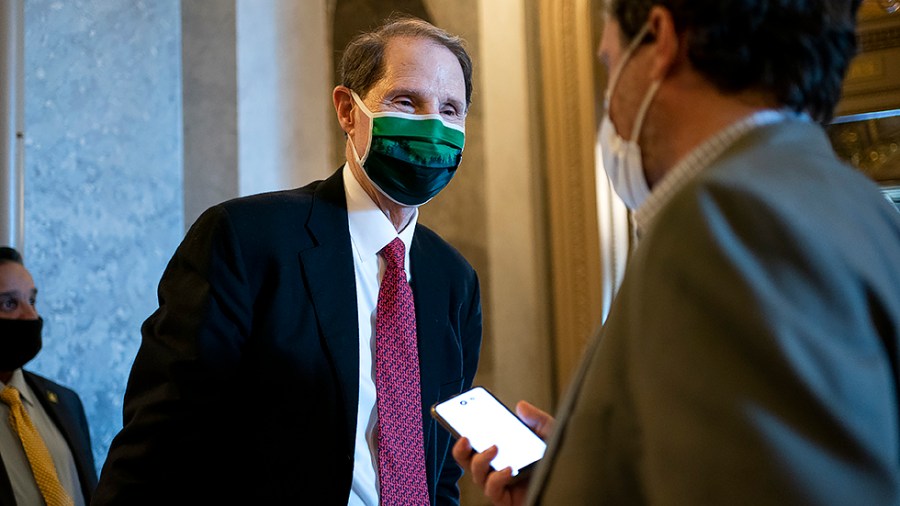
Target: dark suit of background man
[(55, 411), (254, 382), (751, 354)]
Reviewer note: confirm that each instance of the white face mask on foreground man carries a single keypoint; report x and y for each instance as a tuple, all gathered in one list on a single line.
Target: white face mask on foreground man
[(621, 157)]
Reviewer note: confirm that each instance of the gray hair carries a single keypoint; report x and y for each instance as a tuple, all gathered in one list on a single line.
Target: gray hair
[(362, 63)]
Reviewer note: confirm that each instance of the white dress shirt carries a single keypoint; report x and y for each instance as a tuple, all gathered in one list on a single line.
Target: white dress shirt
[(370, 231)]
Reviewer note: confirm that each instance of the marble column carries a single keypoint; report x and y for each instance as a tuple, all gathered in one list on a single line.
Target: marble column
[(103, 185)]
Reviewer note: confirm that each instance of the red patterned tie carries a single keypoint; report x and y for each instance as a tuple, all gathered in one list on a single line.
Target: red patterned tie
[(401, 450)]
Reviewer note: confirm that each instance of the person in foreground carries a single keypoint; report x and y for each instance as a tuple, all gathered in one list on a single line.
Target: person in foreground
[(287, 362), (45, 441), (751, 354)]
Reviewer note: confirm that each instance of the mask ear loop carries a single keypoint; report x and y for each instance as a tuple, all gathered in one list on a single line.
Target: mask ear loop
[(642, 110), (614, 79), (368, 113)]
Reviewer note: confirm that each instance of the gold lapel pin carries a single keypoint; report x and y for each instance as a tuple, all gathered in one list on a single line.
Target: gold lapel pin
[(51, 396)]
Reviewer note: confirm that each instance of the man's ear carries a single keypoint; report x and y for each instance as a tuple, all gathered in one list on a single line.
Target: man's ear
[(667, 46), (343, 106)]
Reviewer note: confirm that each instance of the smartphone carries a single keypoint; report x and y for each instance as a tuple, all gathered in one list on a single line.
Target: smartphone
[(481, 417)]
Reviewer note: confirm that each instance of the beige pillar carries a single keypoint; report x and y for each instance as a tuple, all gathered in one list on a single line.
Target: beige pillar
[(514, 192), (209, 104), (284, 94)]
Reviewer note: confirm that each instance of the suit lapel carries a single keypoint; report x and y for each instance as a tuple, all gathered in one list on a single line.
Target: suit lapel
[(328, 270), (432, 301)]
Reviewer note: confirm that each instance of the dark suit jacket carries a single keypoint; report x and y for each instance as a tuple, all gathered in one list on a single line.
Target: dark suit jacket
[(245, 387), (67, 412), (751, 354)]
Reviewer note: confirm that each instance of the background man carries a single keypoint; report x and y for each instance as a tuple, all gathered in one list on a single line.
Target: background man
[(751, 354), (286, 364), (26, 399)]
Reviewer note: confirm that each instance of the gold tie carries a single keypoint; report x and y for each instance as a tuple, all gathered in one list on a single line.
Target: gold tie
[(38, 455)]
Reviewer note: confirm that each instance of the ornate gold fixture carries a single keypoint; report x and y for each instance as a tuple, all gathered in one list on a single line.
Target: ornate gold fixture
[(878, 8), (866, 129), (889, 6)]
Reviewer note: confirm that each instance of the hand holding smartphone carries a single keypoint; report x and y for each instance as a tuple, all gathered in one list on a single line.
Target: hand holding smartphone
[(479, 416)]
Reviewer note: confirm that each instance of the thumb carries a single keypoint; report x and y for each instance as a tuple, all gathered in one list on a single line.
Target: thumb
[(540, 421)]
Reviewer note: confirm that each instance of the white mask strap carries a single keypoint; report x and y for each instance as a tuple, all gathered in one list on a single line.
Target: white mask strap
[(368, 113), (614, 77), (642, 111)]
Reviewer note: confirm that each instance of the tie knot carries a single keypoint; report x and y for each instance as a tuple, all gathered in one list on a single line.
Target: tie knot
[(393, 253), (10, 395)]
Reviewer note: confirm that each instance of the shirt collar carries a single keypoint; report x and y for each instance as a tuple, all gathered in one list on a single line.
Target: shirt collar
[(17, 381), (370, 228), (699, 159)]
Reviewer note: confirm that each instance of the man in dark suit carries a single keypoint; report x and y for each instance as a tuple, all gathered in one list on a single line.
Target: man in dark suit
[(54, 411), (258, 379), (751, 353)]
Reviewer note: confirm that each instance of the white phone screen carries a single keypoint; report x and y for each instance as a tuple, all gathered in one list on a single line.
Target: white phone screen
[(479, 416)]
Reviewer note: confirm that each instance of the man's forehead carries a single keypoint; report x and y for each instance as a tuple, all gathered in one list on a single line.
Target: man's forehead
[(421, 63), (405, 49), (10, 271)]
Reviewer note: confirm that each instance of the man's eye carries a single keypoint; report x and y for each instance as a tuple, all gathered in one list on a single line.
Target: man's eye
[(7, 304)]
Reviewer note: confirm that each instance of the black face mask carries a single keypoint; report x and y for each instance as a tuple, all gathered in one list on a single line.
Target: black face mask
[(20, 341)]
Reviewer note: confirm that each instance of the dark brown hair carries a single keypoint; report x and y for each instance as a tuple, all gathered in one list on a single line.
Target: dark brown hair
[(796, 50), (8, 254)]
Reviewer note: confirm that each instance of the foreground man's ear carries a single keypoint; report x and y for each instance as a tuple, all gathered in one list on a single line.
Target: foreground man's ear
[(667, 44)]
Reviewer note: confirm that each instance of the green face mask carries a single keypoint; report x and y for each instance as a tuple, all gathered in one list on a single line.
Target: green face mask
[(410, 157)]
